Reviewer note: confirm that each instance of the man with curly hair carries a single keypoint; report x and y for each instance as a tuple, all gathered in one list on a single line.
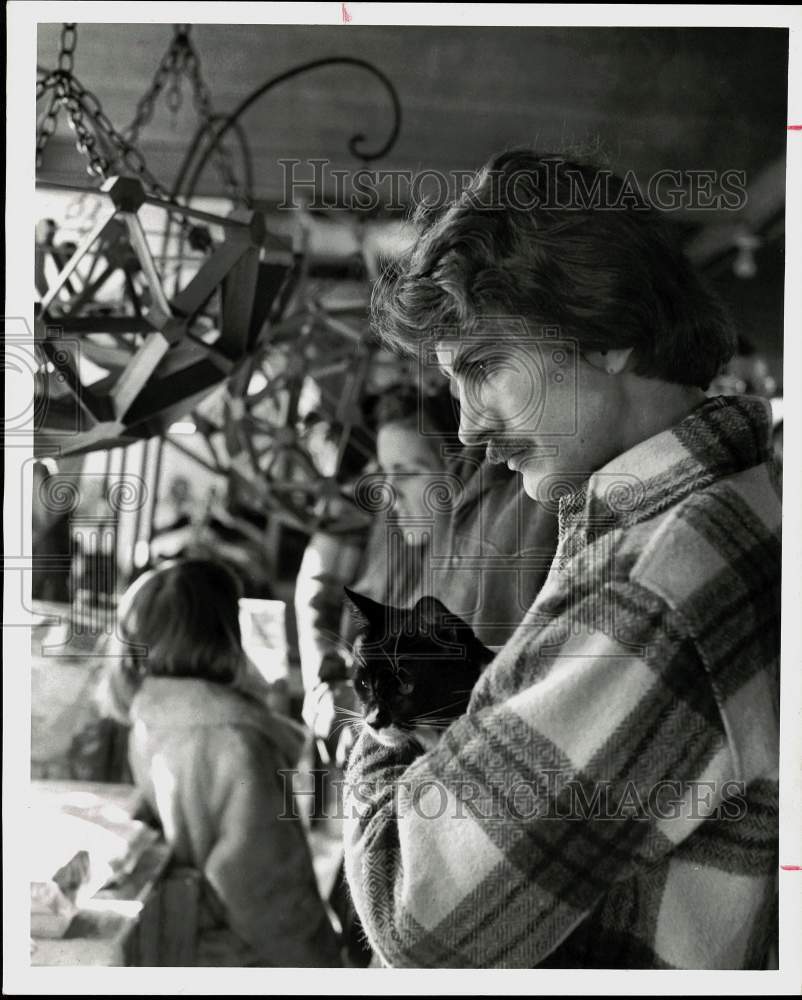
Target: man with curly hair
[(610, 797)]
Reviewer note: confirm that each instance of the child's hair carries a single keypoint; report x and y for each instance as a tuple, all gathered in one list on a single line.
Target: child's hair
[(185, 615)]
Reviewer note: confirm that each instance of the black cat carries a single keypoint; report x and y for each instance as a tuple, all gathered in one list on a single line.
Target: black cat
[(414, 669)]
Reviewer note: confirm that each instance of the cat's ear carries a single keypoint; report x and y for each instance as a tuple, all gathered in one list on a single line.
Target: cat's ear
[(367, 612), (451, 627), (430, 609), (433, 611)]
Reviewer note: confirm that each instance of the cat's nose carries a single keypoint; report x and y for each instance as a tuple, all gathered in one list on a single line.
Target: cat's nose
[(373, 718)]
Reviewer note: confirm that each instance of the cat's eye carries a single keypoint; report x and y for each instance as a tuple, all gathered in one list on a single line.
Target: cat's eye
[(406, 688)]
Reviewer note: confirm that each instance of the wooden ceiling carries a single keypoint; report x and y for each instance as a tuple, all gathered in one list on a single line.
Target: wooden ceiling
[(682, 99)]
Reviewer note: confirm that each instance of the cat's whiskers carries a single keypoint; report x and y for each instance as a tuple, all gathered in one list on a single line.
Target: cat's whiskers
[(347, 650), (395, 651), (338, 710), (336, 731), (344, 724)]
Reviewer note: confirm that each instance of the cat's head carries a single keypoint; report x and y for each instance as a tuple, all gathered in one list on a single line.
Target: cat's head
[(413, 668)]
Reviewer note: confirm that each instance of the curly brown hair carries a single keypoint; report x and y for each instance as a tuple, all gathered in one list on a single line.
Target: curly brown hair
[(560, 244)]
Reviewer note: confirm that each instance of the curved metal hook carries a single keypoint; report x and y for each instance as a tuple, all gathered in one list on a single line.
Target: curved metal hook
[(354, 142)]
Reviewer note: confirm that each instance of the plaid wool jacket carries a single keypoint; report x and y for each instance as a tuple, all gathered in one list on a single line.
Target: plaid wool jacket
[(610, 798)]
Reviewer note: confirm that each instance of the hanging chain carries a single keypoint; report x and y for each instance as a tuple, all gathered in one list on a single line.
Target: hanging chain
[(69, 38), (70, 97), (203, 105), (174, 98), (181, 59), (96, 137), (51, 81), (47, 126), (170, 66), (84, 109)]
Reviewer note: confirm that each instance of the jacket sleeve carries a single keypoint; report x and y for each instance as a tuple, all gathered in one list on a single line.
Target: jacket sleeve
[(569, 773), (259, 865)]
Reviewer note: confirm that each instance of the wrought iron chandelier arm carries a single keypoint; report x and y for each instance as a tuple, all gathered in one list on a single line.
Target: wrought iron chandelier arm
[(204, 131), (247, 156), (354, 142)]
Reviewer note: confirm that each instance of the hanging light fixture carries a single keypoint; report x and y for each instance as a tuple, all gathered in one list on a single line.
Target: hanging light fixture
[(745, 263), (162, 352)]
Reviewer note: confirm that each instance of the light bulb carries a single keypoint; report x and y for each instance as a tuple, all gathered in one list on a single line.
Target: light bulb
[(745, 265)]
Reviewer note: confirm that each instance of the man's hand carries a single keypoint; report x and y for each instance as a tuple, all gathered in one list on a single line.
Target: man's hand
[(345, 743), (320, 704), (319, 711)]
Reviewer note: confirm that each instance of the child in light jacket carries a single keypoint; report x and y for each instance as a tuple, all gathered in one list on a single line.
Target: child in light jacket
[(206, 755)]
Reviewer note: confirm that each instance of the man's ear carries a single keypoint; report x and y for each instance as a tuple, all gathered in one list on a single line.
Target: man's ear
[(612, 361)]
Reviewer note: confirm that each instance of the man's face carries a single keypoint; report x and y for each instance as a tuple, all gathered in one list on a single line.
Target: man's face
[(536, 405)]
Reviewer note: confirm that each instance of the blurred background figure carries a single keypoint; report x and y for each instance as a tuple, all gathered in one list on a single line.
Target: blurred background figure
[(387, 562), (206, 753), (746, 373), (177, 513), (777, 436)]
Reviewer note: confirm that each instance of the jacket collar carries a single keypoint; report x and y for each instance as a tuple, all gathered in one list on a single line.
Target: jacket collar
[(722, 436), (180, 703)]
